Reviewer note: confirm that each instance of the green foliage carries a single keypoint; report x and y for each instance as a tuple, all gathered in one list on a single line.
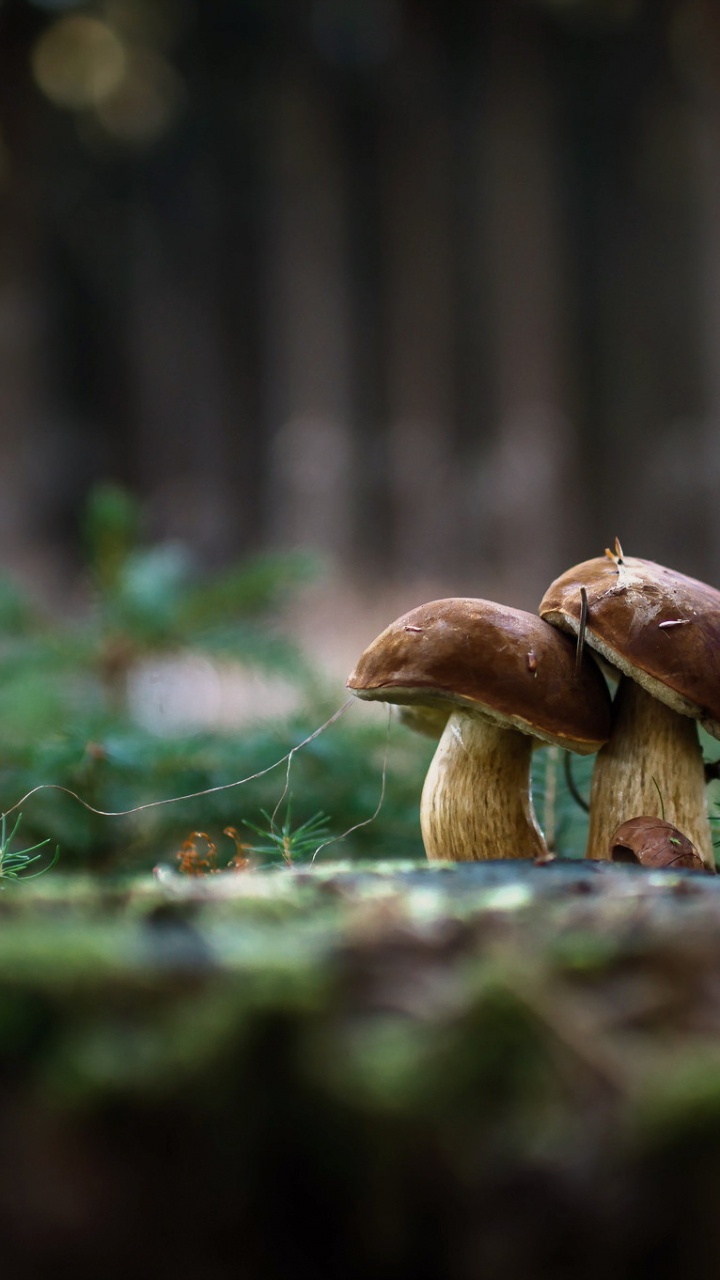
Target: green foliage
[(65, 718), (558, 811), (154, 598), (112, 529), (15, 862), (286, 843)]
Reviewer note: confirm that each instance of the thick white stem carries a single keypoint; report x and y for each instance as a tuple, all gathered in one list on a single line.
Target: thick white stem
[(652, 766), (476, 802)]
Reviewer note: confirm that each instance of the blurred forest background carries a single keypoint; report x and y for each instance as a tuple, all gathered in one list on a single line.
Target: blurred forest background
[(430, 288)]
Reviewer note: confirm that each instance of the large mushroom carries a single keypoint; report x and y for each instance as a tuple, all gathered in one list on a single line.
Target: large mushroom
[(504, 678), (660, 630)]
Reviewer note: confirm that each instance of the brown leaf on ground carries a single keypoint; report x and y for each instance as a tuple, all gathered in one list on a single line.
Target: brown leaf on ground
[(653, 842)]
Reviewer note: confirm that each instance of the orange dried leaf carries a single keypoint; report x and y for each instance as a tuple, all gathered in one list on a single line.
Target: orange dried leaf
[(241, 861), (194, 862)]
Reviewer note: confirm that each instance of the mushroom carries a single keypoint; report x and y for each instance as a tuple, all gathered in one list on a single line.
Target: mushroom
[(660, 630), (504, 677)]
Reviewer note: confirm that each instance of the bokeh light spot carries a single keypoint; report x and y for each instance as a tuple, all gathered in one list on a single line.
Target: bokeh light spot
[(78, 62)]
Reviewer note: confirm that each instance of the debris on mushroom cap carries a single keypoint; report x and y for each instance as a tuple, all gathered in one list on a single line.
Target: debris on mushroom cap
[(501, 662), (654, 624), (652, 842)]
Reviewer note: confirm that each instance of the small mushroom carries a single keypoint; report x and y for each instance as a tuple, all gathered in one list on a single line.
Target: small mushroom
[(652, 842), (669, 676), (468, 659)]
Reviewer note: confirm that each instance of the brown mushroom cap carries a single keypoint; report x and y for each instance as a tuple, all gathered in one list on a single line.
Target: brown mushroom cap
[(505, 663), (657, 626)]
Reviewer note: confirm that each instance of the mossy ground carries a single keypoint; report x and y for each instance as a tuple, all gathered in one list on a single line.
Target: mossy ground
[(366, 1070)]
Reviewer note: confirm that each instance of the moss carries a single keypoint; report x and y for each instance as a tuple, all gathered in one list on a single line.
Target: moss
[(432, 1071)]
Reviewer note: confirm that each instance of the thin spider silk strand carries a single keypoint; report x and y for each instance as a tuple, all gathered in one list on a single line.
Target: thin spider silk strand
[(191, 795)]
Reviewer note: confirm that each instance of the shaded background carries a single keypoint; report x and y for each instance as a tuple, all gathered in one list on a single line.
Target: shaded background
[(431, 288)]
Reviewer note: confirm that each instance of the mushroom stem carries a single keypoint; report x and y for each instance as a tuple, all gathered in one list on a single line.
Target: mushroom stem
[(652, 766), (476, 802)]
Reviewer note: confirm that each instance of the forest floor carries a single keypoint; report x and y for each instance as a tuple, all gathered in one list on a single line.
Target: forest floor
[(450, 1070)]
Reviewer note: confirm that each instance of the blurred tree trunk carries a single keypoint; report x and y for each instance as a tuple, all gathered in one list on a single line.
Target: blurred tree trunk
[(630, 220), (364, 120), (182, 418), (25, 448), (26, 444), (307, 323), (426, 513), (334, 305), (532, 478), (705, 45)]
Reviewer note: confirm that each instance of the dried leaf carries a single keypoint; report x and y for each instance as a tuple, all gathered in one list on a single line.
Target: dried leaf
[(242, 861), (193, 861), (652, 842)]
